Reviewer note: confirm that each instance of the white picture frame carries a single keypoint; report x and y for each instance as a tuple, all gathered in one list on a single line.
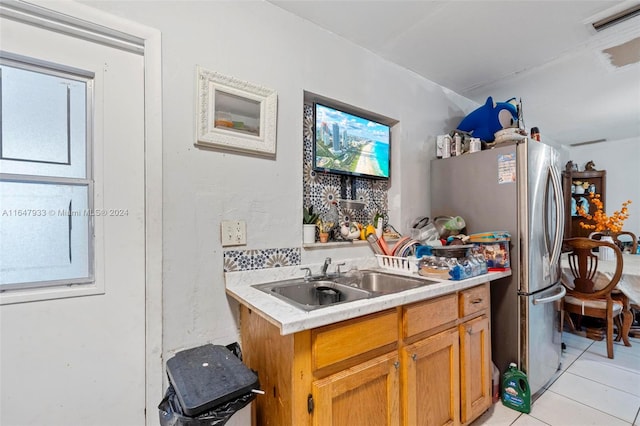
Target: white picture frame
[(235, 115)]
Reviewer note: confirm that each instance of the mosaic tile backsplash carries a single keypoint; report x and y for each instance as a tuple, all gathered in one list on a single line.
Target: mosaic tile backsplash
[(245, 260), (320, 190)]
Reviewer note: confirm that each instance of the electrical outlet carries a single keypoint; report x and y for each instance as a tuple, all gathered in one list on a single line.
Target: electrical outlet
[(233, 233)]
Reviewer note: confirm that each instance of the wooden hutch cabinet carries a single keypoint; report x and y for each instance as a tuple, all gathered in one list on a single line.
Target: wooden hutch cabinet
[(596, 182)]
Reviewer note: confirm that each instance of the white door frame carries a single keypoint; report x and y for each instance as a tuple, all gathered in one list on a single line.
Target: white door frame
[(153, 180)]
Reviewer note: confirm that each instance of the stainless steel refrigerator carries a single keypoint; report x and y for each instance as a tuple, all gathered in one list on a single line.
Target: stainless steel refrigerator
[(514, 187)]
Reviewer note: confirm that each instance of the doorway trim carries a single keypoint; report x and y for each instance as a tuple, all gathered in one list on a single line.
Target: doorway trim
[(84, 21)]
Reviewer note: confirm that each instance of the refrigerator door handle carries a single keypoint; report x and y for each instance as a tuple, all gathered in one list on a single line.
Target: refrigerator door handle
[(559, 295), (559, 204)]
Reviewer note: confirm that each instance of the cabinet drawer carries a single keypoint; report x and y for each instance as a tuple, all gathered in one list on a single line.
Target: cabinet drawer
[(429, 314), (474, 300), (338, 342)]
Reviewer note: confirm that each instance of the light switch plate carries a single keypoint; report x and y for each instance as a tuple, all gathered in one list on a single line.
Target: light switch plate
[(233, 233)]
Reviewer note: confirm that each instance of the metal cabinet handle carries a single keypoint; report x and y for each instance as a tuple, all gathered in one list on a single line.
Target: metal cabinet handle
[(476, 301), (414, 357), (396, 364)]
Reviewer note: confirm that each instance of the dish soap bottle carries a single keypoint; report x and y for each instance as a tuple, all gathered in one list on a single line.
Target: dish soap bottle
[(516, 393)]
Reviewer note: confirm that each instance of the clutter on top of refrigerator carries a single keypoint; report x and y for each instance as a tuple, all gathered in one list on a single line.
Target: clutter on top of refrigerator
[(491, 117)]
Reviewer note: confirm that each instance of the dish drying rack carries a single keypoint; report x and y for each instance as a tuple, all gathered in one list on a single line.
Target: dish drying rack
[(395, 263)]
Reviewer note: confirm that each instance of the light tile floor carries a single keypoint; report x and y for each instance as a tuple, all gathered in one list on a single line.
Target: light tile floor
[(589, 389)]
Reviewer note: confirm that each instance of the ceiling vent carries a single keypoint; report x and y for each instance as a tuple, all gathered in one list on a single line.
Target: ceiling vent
[(617, 18)]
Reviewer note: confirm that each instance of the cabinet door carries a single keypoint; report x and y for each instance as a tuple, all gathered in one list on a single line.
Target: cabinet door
[(366, 394), (431, 380), (475, 368)]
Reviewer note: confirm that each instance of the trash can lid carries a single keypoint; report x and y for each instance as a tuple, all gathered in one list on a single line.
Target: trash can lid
[(207, 376)]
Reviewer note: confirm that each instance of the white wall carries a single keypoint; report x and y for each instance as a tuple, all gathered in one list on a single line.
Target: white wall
[(621, 160), (258, 42)]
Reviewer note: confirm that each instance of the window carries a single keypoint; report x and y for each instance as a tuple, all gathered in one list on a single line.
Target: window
[(46, 186)]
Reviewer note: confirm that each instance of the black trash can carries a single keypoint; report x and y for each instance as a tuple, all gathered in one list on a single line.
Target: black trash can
[(207, 385)]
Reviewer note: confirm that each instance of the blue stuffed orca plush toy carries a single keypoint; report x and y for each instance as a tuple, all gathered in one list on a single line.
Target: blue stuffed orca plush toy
[(491, 117)]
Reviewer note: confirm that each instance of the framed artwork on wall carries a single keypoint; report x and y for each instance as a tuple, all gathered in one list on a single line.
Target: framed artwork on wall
[(235, 115)]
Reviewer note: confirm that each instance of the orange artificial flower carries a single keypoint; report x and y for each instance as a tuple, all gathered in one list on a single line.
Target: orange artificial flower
[(601, 222)]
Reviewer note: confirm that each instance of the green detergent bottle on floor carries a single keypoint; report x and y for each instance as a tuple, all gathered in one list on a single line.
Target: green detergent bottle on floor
[(515, 390)]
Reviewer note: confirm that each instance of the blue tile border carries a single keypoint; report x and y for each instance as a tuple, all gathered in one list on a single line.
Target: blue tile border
[(247, 260)]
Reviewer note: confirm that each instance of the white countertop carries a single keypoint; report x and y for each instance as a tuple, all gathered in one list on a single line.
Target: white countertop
[(290, 319)]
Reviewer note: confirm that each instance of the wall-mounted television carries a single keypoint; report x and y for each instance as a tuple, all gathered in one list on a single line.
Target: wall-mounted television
[(350, 144)]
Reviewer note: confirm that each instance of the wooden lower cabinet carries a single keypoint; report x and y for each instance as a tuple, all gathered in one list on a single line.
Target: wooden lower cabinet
[(367, 394), (423, 364), (475, 368), (431, 380), (447, 363)]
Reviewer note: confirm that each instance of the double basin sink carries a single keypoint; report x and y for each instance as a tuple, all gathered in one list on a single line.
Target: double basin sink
[(313, 293)]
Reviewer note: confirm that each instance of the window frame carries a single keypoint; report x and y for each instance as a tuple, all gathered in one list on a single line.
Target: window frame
[(45, 289)]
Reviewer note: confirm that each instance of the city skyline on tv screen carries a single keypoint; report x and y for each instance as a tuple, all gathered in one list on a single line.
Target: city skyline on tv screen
[(347, 143)]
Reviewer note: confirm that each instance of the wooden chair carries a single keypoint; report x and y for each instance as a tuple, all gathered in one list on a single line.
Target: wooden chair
[(627, 236), (631, 310), (620, 241), (589, 292)]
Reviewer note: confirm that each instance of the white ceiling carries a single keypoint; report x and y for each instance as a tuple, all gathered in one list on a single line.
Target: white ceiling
[(543, 52)]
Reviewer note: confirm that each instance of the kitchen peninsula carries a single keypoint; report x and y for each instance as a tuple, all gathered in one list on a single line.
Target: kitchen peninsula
[(417, 356)]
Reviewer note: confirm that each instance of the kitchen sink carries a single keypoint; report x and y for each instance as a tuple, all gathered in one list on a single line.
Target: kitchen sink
[(316, 293), (310, 295), (379, 283)]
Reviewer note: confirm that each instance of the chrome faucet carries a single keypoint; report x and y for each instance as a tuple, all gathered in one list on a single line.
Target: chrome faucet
[(327, 261), (307, 273), (323, 271), (338, 265)]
